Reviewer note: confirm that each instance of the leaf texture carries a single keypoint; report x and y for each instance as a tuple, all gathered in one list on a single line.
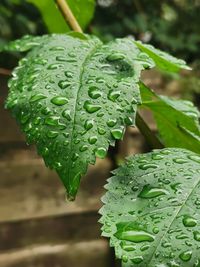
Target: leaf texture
[(151, 209), (72, 96)]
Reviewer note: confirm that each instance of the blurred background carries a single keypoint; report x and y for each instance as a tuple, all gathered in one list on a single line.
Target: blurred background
[(38, 228)]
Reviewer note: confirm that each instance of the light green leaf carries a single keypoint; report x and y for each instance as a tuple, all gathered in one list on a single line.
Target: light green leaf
[(83, 11), (73, 96), (177, 120), (151, 210), (163, 60)]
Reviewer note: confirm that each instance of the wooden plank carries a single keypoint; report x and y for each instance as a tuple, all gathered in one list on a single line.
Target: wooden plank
[(28, 189), (84, 254)]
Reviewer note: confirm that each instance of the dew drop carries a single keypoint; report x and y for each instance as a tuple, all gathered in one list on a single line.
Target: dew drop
[(64, 84), (115, 57), (52, 134), (188, 221), (196, 236), (53, 121), (68, 74), (59, 100), (186, 256), (100, 152), (137, 259), (113, 95), (91, 108), (151, 192), (37, 97), (92, 140), (132, 234), (88, 124), (180, 160), (94, 93), (148, 166), (67, 114), (111, 122), (194, 158), (117, 133), (83, 148)]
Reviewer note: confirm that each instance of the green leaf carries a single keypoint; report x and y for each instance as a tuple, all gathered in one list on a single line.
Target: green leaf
[(83, 11), (177, 120), (163, 60), (73, 96), (151, 210)]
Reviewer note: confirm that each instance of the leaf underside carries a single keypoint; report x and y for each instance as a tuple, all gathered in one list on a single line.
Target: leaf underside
[(72, 96), (177, 120), (150, 211)]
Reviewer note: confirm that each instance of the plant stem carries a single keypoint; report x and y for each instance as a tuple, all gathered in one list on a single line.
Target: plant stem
[(68, 15), (150, 137)]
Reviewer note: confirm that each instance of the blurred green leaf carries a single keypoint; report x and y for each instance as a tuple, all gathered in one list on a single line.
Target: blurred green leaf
[(83, 11), (177, 120)]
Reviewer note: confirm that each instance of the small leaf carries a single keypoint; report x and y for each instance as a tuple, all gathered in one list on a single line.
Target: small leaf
[(83, 11), (177, 120), (163, 60), (151, 210), (73, 96)]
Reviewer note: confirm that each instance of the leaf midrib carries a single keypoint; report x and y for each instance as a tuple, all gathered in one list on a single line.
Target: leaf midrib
[(75, 107)]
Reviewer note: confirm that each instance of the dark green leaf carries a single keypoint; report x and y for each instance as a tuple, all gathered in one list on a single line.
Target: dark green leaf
[(151, 210), (177, 120), (73, 96), (163, 60), (83, 11)]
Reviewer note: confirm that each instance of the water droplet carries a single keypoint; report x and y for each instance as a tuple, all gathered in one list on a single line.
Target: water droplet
[(127, 246), (37, 97), (197, 236), (111, 122), (115, 56), (68, 74), (91, 108), (89, 124), (113, 95), (137, 259), (59, 100), (117, 133), (53, 121), (92, 140), (100, 152), (151, 192), (94, 93), (101, 131), (186, 256), (67, 114), (194, 158), (128, 121), (24, 117), (148, 166), (64, 84), (180, 160), (144, 247), (124, 258), (54, 66), (129, 233), (83, 148), (188, 221), (52, 134)]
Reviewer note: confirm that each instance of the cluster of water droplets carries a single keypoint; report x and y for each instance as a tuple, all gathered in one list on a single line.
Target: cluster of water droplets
[(151, 209)]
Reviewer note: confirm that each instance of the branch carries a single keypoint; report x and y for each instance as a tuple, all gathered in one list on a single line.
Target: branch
[(150, 137), (68, 15)]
